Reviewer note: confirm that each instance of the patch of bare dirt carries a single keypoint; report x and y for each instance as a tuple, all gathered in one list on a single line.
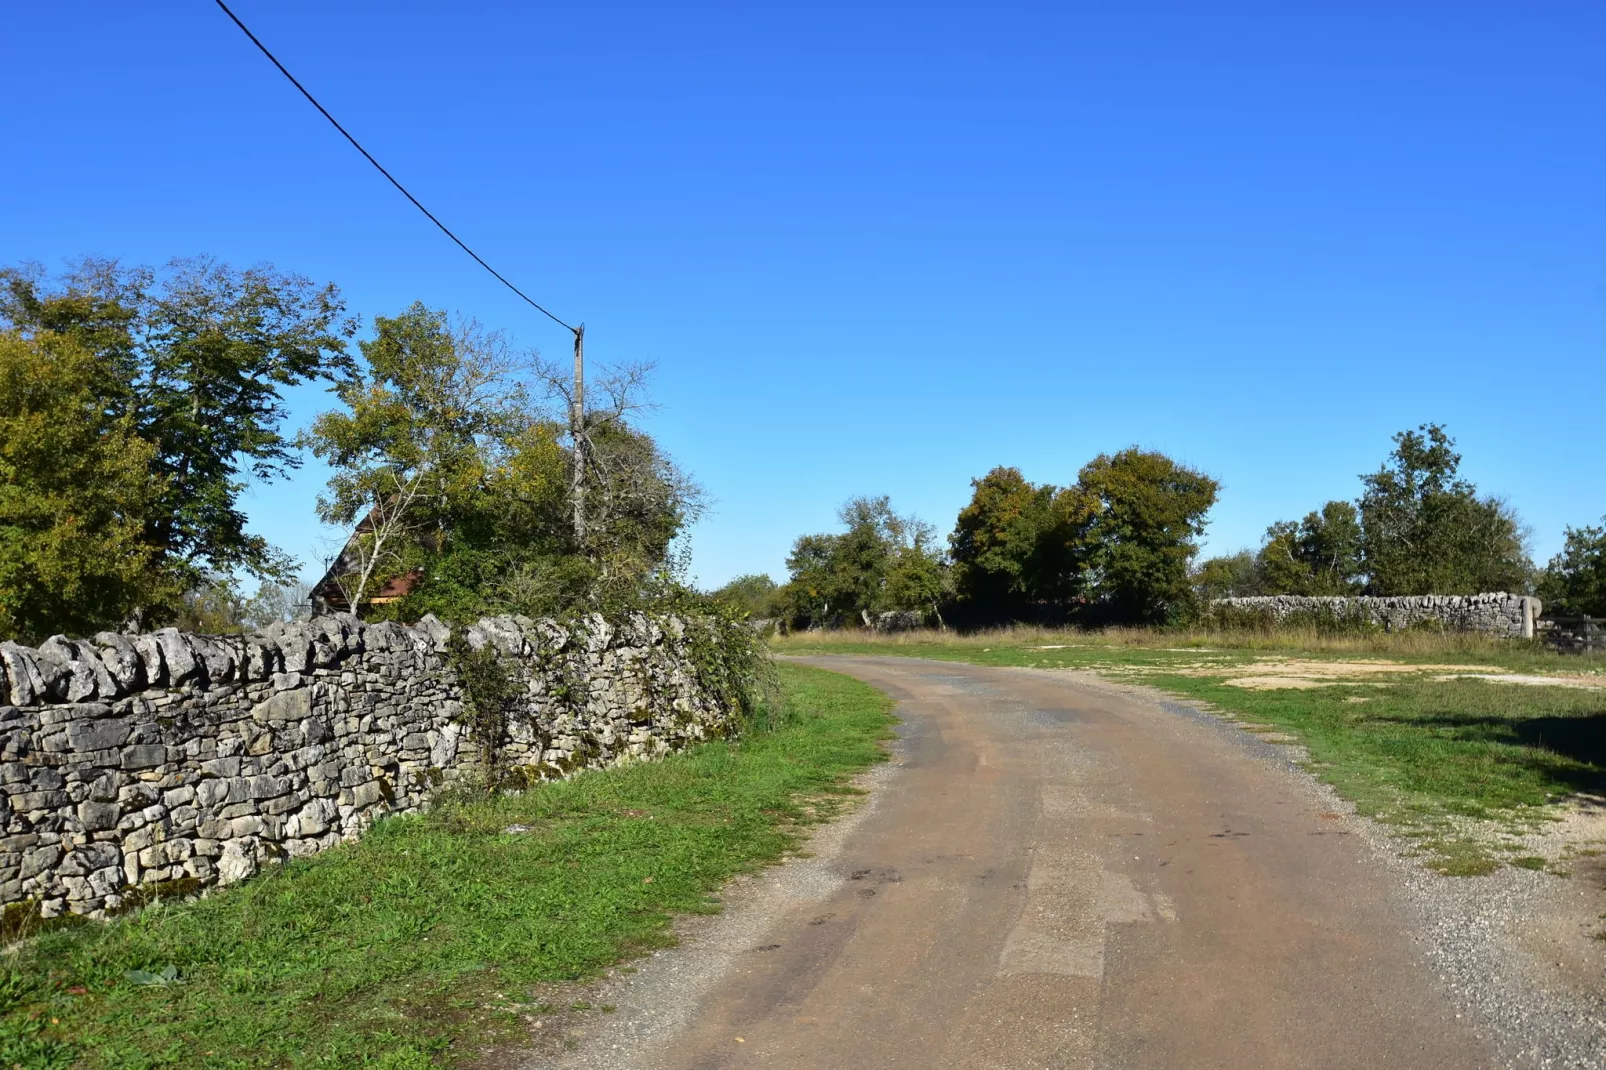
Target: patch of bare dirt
[(1582, 683), (1299, 674)]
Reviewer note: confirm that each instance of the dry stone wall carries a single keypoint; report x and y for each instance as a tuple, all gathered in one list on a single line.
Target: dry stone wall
[(133, 765), (1498, 614)]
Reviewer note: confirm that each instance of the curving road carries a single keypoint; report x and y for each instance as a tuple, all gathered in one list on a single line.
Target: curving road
[(1054, 875)]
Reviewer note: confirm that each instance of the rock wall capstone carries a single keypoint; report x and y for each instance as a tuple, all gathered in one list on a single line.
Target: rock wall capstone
[(1510, 615), (136, 765)]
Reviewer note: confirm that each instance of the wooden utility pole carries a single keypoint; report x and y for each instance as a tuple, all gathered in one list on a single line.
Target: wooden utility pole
[(577, 424)]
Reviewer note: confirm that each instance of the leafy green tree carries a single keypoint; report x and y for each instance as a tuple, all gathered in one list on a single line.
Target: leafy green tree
[(882, 562), (1574, 583), (1424, 530), (446, 468), (812, 593), (195, 357), (637, 502), (1279, 568), (1330, 543), (998, 545), (918, 578), (755, 594), (77, 489), (1321, 555), (424, 424), (1130, 527), (1231, 576)]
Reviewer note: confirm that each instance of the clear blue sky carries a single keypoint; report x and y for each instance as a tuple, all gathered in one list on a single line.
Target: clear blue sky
[(881, 248)]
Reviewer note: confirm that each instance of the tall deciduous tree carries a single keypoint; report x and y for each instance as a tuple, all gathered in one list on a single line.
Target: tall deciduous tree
[(998, 545), (1131, 524), (196, 357), (77, 492), (448, 466), (420, 420), (1229, 576), (1574, 583), (1321, 555), (754, 594), (881, 562), (1424, 530)]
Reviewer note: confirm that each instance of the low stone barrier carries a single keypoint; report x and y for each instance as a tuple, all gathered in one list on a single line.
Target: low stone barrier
[(1509, 615), (136, 765)]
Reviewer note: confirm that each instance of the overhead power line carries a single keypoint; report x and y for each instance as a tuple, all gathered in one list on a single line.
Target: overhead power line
[(390, 178)]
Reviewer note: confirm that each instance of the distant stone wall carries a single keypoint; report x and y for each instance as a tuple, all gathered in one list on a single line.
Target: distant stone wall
[(1498, 614), (131, 765)]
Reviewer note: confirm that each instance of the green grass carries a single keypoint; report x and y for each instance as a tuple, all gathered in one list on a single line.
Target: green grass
[(1020, 645), (1435, 758), (435, 928)]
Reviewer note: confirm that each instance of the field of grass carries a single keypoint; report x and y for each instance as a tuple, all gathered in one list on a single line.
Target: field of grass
[(424, 942), (1463, 766), (1026, 644)]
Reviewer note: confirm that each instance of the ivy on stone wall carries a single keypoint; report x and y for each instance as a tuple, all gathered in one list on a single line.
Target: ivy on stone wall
[(490, 690)]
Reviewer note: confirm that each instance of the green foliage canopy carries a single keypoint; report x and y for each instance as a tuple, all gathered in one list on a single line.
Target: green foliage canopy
[(1114, 546), (999, 543), (1426, 531), (1574, 583), (448, 468), (1133, 518), (1321, 555), (755, 594), (882, 562), (1228, 576), (194, 358), (77, 493)]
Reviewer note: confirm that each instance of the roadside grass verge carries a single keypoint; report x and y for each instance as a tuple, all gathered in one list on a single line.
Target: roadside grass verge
[(420, 945), (1464, 768)]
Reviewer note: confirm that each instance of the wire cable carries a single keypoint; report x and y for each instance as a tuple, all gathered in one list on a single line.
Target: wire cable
[(377, 166)]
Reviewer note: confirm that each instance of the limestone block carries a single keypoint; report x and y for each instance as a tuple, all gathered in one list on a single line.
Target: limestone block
[(265, 787), (39, 860), (28, 682), (236, 862), (283, 706), (362, 795), (98, 734), (178, 657), (95, 816), (151, 662), (145, 756), (432, 630)]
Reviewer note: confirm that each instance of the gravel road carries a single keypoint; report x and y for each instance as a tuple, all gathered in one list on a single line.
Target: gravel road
[(1057, 872)]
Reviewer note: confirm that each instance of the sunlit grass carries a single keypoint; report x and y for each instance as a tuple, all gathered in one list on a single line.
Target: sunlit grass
[(1028, 640)]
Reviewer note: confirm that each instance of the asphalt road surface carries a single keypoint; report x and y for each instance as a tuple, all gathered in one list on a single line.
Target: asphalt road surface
[(1058, 876)]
